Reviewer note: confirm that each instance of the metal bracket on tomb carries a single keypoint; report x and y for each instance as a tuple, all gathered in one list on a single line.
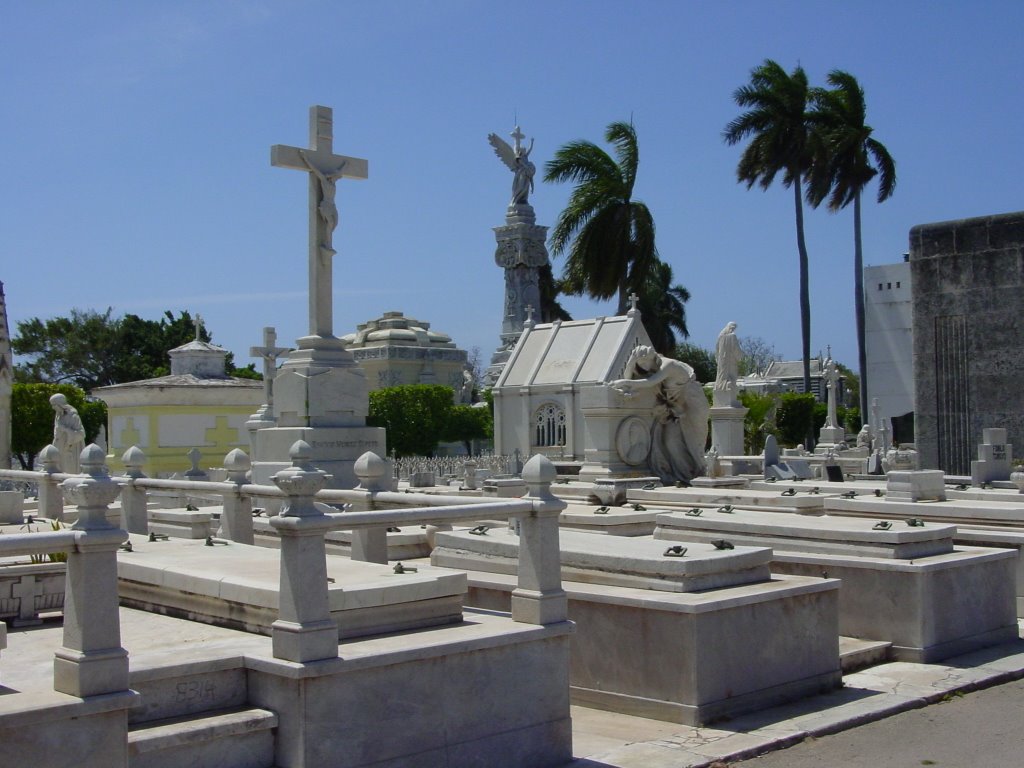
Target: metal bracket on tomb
[(159, 537), (480, 530), (210, 541), (258, 511), (790, 492), (675, 551), (722, 544), (769, 479), (695, 512), (986, 486), (814, 491), (879, 493), (849, 495), (650, 486), (126, 547), (726, 510), (915, 522), (639, 508), (601, 511), (394, 529), (400, 569), (884, 525), (962, 487)]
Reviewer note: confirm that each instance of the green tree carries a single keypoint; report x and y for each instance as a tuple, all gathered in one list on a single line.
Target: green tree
[(759, 421), (795, 417), (91, 349), (608, 236), (662, 307), (414, 416), (849, 158), (32, 417), (467, 423), (777, 124), (705, 369)]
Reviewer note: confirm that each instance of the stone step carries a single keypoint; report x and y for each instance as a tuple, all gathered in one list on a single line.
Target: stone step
[(239, 738), (188, 690), (856, 654)]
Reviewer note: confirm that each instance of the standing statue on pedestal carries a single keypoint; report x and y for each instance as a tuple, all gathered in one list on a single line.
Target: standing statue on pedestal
[(680, 413), (518, 161), (830, 372), (68, 433), (727, 359)]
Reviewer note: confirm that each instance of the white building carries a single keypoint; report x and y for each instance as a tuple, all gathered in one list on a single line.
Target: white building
[(889, 341)]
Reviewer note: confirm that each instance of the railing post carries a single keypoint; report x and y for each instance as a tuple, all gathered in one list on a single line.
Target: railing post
[(304, 630), (92, 661), (134, 512), (538, 597), (370, 545), (236, 517), (51, 499)]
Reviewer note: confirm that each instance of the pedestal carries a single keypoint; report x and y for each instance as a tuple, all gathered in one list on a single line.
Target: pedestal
[(727, 429), (618, 433), (829, 437), (320, 397)]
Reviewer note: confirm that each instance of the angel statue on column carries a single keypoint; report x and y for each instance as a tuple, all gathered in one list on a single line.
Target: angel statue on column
[(518, 161)]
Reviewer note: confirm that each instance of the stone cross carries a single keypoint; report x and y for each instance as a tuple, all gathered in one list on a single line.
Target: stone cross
[(529, 313), (633, 299), (198, 323), (517, 135), (324, 169), (269, 354)]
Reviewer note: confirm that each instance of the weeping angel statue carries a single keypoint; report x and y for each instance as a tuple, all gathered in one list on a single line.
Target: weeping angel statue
[(518, 161)]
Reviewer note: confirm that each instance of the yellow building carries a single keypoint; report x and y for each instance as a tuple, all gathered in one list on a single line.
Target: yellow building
[(197, 406)]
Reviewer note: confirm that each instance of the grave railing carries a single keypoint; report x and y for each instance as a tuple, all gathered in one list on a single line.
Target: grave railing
[(304, 630)]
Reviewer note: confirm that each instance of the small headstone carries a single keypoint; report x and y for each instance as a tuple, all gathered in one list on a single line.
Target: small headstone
[(995, 457), (834, 473)]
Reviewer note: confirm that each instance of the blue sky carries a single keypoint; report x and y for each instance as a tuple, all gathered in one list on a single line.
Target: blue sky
[(136, 135)]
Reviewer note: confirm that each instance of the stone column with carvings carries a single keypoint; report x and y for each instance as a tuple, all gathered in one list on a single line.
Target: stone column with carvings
[(521, 252)]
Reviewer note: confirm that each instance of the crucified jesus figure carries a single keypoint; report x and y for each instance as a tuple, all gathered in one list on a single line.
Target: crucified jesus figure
[(327, 209)]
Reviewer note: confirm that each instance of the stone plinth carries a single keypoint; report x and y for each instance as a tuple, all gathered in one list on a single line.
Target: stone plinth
[(995, 457), (611, 520), (682, 656), (612, 490), (320, 397), (618, 433), (727, 429), (920, 485), (907, 585)]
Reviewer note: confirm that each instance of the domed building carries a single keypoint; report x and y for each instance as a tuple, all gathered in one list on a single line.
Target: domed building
[(395, 349)]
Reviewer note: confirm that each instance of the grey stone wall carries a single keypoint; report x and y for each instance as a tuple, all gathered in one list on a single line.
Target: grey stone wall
[(968, 298)]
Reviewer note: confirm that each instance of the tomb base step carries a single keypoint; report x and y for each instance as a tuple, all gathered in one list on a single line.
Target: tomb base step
[(240, 738), (856, 654)]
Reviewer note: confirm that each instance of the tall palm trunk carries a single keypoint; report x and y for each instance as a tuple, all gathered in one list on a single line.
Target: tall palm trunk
[(805, 297), (858, 304)]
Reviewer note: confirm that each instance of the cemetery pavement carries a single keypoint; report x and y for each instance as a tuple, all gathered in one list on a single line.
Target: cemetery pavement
[(921, 732)]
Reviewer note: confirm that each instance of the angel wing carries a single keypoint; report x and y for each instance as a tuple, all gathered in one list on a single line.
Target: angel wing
[(504, 152)]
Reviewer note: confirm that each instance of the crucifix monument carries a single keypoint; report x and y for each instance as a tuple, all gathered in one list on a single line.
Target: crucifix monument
[(319, 394), (268, 353)]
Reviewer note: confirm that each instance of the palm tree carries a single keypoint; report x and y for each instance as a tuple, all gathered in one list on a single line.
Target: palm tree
[(662, 308), (777, 124), (848, 159), (608, 237)]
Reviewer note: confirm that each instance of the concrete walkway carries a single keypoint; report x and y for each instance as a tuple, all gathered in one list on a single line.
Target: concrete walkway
[(607, 740)]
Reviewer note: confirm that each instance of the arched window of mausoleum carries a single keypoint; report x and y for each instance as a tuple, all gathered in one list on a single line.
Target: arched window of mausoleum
[(549, 426)]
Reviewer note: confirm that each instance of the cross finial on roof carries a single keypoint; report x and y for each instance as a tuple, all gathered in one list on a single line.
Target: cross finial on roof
[(633, 299), (198, 323), (529, 313)]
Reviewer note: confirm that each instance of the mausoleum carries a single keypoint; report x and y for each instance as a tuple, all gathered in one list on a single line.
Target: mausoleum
[(537, 399), (197, 406), (395, 349)]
